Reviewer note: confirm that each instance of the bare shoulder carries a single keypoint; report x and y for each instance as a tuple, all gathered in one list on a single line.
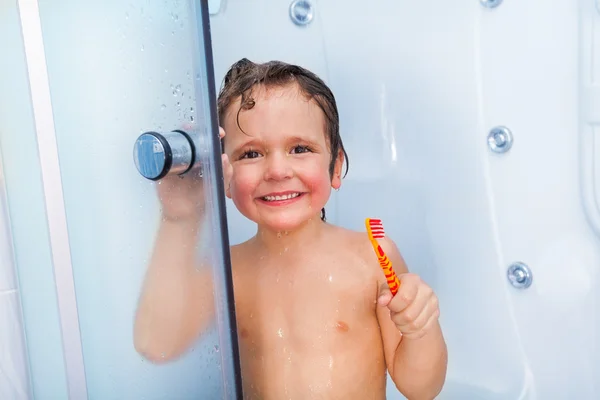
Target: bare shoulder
[(352, 241), (359, 243)]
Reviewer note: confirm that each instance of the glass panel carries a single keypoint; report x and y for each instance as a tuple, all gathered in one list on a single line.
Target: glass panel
[(116, 70), (25, 198)]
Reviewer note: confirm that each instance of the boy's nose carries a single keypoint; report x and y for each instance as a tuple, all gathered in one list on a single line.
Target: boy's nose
[(278, 167)]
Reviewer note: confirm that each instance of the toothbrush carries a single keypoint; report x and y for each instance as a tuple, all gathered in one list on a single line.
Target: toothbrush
[(375, 231)]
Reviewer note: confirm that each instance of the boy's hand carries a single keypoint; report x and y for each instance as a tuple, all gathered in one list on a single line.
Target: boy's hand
[(227, 167), (182, 197), (414, 309)]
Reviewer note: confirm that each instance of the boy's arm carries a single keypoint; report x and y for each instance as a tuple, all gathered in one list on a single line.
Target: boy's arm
[(416, 361), (176, 302)]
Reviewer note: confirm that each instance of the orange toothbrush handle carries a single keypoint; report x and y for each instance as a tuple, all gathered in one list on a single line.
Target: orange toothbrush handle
[(386, 265)]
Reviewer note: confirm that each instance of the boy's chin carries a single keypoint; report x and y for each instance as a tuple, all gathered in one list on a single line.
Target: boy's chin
[(288, 224)]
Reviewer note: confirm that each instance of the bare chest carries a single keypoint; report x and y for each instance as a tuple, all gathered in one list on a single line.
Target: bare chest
[(309, 332), (312, 308)]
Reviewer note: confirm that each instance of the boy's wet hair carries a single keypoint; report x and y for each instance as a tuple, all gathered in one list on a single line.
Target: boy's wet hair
[(244, 75)]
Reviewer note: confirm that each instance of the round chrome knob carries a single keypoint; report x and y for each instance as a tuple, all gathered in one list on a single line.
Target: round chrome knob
[(301, 12), (500, 139), (519, 275), (157, 155), (490, 3)]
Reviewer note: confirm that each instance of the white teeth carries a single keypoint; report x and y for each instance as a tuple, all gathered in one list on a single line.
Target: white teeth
[(285, 197)]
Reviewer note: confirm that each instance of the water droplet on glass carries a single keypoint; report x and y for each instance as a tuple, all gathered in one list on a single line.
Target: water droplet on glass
[(126, 15), (177, 104), (166, 71), (191, 109), (175, 17), (192, 118), (216, 348), (198, 77), (278, 235), (163, 106), (142, 47)]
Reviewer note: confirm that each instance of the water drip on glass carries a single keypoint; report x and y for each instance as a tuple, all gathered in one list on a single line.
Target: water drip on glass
[(176, 90)]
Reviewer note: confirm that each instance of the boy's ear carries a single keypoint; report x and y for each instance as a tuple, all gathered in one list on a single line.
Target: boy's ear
[(336, 179)]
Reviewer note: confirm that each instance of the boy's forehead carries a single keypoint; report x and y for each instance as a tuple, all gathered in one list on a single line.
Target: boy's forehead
[(262, 94), (276, 109)]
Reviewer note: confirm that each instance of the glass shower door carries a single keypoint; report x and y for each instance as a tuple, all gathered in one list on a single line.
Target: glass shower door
[(98, 75)]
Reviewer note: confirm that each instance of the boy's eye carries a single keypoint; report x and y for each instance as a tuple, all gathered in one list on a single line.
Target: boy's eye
[(300, 149), (250, 154)]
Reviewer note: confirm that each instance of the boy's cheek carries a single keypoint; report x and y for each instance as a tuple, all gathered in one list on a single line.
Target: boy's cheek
[(242, 184)]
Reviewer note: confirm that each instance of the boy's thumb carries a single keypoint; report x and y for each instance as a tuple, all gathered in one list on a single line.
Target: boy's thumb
[(385, 295)]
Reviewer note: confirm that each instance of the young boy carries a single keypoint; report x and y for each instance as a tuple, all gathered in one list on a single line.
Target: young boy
[(315, 316)]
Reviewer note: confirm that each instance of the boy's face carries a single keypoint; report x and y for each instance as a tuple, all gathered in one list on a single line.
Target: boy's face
[(281, 163)]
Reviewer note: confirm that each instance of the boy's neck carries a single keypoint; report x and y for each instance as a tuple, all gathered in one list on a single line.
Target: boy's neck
[(301, 237)]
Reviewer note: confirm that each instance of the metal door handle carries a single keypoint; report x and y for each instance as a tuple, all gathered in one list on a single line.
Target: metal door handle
[(157, 155)]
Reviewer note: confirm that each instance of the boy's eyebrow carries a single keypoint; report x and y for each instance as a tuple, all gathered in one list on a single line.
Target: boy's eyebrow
[(304, 139), (246, 143)]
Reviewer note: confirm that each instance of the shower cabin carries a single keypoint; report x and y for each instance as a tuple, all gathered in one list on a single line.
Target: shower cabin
[(471, 130)]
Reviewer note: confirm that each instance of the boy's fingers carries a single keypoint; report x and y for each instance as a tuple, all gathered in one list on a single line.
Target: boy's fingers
[(225, 161), (405, 297), (221, 133)]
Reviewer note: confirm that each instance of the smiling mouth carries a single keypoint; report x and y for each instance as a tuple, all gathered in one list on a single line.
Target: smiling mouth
[(288, 196)]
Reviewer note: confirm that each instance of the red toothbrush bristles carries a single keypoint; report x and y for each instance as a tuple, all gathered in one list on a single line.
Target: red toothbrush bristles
[(377, 228)]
